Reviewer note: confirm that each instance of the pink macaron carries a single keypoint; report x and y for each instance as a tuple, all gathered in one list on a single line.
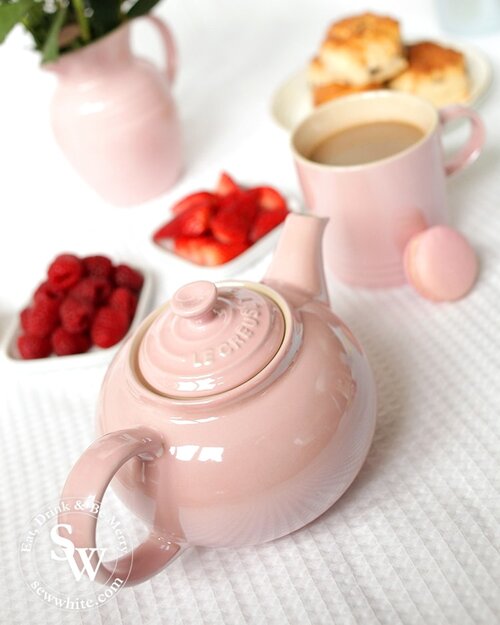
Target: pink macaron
[(440, 264)]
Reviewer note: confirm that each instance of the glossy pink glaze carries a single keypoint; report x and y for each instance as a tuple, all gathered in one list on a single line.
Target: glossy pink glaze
[(90, 478), (209, 340), (250, 464), (115, 119), (374, 209)]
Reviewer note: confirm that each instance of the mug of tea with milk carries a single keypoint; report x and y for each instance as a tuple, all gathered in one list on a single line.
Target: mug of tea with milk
[(373, 163)]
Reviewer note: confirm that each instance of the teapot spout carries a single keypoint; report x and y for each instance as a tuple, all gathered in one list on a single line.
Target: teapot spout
[(298, 260)]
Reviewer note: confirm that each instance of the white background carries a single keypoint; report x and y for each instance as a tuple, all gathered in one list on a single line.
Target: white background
[(417, 537)]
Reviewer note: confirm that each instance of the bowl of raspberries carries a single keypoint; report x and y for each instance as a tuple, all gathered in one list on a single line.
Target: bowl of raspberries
[(86, 304)]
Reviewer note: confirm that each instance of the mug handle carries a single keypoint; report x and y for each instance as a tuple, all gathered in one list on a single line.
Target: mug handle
[(469, 152), (87, 483), (168, 43)]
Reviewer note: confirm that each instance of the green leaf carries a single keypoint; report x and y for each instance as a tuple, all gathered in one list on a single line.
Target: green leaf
[(105, 17), (50, 50), (141, 7), (37, 22), (10, 14)]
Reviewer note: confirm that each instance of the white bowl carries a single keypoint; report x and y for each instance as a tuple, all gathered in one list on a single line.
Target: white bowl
[(192, 271), (95, 355)]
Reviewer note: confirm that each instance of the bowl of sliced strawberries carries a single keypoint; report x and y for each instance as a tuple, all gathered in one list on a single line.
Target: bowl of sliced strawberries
[(227, 228)]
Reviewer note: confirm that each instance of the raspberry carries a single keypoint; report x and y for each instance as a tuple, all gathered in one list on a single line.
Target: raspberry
[(110, 326), (65, 343), (76, 315), (98, 266), (41, 319), (123, 299), (92, 290), (45, 292), (33, 346), (23, 318), (64, 272), (128, 277)]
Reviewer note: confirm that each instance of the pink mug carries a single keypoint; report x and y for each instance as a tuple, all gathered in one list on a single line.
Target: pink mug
[(375, 208)]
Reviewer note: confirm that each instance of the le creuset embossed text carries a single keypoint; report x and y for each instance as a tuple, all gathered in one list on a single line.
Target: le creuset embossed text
[(236, 414)]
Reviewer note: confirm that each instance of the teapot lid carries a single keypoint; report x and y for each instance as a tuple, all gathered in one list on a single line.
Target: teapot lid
[(210, 339)]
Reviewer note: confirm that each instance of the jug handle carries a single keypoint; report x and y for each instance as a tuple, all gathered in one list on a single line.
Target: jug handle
[(84, 491), (169, 45)]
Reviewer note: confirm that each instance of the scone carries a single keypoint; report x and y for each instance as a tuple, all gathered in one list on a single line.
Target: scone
[(362, 50), (317, 74), (357, 25), (325, 93), (435, 73)]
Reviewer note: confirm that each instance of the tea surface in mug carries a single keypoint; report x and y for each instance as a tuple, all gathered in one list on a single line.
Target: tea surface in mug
[(365, 143)]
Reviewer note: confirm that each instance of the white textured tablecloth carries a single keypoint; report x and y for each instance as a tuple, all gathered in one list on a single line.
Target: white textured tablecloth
[(417, 537)]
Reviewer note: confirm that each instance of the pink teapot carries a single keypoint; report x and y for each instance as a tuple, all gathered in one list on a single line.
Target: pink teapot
[(236, 414)]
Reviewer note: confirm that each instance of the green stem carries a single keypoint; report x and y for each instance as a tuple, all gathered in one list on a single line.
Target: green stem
[(50, 50), (79, 7)]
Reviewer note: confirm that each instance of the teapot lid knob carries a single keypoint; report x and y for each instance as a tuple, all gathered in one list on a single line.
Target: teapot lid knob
[(195, 301)]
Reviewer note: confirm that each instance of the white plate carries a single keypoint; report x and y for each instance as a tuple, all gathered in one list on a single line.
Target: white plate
[(95, 356), (191, 271), (292, 102)]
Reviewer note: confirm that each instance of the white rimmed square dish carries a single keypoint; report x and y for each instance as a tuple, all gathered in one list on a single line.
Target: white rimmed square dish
[(95, 356)]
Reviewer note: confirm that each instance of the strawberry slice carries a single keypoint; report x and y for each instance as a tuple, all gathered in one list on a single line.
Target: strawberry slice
[(190, 248), (226, 185), (234, 218), (266, 221), (191, 222), (201, 197), (207, 251), (269, 199)]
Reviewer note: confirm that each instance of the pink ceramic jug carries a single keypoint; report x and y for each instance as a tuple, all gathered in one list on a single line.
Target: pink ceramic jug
[(237, 413), (115, 119)]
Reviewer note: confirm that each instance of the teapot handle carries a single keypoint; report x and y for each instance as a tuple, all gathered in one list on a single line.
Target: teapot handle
[(169, 45), (86, 485)]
